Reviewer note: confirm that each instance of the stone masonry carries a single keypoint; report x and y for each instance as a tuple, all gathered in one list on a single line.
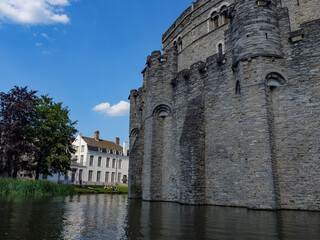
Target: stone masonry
[(229, 112)]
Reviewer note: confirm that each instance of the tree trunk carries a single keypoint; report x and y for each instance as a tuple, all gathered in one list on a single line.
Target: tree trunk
[(15, 173), (38, 170)]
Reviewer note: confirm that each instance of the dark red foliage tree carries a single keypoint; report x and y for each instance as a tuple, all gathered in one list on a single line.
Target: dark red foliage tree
[(16, 113)]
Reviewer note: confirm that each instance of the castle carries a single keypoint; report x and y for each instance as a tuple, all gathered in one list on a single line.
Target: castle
[(229, 112)]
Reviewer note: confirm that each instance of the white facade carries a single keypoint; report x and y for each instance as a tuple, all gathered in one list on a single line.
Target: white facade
[(96, 162)]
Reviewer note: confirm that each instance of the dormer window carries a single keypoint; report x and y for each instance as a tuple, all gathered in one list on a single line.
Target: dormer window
[(114, 152), (100, 149), (108, 150), (120, 153)]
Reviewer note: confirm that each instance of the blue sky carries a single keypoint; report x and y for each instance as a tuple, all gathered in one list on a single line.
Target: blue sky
[(87, 54)]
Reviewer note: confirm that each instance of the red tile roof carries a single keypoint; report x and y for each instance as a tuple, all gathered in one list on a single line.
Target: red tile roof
[(102, 144)]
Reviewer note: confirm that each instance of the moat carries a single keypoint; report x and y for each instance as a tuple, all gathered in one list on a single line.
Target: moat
[(116, 217)]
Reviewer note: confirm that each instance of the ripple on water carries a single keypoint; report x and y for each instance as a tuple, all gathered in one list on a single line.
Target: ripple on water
[(114, 217)]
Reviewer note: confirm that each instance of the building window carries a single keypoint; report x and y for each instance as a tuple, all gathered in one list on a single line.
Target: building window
[(124, 179), (119, 177), (82, 148), (114, 152), (90, 176), (223, 14), (66, 176), (99, 161), (81, 159), (220, 49), (108, 150), (238, 88), (91, 161), (108, 163), (107, 177), (175, 45), (113, 177), (114, 163), (98, 176), (180, 44), (214, 21), (100, 150), (120, 163)]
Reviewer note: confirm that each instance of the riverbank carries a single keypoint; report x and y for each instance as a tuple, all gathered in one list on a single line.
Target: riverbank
[(32, 187), (47, 188), (102, 189)]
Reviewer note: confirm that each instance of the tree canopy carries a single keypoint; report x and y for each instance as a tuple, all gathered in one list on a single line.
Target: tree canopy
[(53, 133), (36, 134), (16, 113)]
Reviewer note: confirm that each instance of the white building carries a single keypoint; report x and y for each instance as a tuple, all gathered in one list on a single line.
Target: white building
[(96, 162)]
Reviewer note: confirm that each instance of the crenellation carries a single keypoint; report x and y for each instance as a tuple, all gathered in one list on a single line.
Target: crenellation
[(235, 124)]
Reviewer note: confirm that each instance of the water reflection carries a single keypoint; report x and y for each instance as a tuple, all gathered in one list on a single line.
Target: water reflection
[(95, 217), (116, 217), (24, 218), (154, 221)]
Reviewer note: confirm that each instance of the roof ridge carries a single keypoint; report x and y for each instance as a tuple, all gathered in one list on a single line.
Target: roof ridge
[(100, 139), (102, 144)]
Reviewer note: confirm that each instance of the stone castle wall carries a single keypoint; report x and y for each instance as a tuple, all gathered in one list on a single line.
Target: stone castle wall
[(238, 128)]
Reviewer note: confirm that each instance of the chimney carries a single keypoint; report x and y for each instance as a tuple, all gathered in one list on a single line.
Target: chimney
[(125, 148), (96, 135), (117, 141)]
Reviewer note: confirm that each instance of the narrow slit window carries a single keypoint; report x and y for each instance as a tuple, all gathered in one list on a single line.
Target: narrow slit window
[(220, 49), (238, 88)]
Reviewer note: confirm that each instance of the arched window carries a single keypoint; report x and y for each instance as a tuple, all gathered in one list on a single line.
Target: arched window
[(179, 44), (223, 14), (175, 45), (162, 110), (220, 49), (214, 21)]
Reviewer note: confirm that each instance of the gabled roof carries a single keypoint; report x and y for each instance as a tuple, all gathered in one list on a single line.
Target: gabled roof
[(102, 144)]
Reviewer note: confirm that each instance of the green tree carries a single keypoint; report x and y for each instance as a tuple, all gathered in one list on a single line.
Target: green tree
[(53, 134)]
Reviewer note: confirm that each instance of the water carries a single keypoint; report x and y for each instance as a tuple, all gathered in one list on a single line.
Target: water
[(114, 217)]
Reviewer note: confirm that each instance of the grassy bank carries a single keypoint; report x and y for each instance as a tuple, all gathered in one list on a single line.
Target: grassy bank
[(31, 187), (100, 189)]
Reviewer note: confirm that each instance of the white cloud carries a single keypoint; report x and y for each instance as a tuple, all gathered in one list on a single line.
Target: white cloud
[(34, 11), (38, 44), (120, 109), (45, 35)]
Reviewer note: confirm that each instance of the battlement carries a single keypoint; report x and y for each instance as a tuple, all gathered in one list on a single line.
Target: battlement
[(158, 63)]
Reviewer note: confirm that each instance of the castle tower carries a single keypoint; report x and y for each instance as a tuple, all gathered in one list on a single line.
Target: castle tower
[(160, 70), (256, 49), (254, 30)]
